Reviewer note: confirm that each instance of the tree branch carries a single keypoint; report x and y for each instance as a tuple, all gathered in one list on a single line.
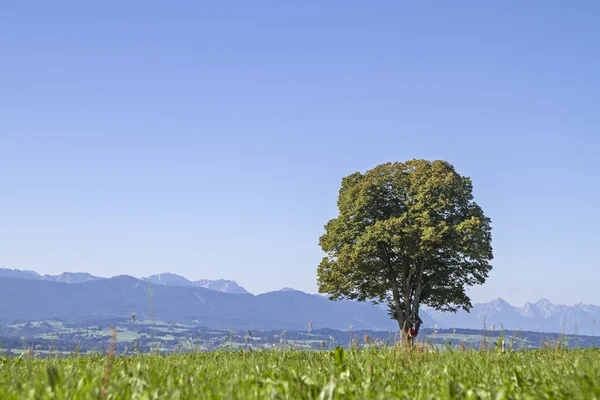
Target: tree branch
[(392, 277), (419, 288)]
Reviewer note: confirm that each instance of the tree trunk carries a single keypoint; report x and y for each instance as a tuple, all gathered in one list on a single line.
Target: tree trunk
[(404, 327), (405, 311)]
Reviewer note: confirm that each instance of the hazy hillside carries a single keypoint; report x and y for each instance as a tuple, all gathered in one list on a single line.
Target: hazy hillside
[(25, 299)]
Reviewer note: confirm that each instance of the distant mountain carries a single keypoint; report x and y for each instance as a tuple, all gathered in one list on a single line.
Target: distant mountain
[(169, 279), (66, 277), (495, 313), (542, 316), (27, 299), (71, 277), (221, 285), (15, 273), (287, 289)]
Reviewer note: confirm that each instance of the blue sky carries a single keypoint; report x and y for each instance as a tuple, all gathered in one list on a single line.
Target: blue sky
[(209, 139)]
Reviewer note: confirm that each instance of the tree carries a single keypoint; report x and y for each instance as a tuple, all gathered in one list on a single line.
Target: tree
[(407, 234)]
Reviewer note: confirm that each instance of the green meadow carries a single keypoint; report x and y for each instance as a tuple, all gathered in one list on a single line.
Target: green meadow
[(376, 373)]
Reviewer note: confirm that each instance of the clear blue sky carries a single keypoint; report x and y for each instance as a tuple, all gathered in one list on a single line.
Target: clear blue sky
[(209, 139)]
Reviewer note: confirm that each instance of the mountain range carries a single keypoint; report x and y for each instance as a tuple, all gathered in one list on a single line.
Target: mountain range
[(26, 295), (220, 285), (119, 297), (541, 316), (166, 278)]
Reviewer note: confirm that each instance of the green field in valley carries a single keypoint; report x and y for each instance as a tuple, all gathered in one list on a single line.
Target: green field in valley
[(355, 374)]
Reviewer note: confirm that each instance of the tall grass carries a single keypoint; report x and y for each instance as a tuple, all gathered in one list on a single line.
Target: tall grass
[(376, 372)]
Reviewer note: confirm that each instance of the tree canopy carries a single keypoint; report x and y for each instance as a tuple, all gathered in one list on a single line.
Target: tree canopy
[(407, 234)]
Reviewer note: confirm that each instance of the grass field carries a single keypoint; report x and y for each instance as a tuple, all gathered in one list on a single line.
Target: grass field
[(382, 373)]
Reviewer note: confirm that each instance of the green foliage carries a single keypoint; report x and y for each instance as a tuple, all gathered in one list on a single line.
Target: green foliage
[(406, 234), (365, 374)]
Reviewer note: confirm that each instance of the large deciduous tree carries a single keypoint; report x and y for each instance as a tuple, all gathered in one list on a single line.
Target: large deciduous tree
[(407, 234)]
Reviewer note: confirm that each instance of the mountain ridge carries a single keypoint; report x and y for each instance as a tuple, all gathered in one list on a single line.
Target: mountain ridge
[(165, 278), (540, 316)]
